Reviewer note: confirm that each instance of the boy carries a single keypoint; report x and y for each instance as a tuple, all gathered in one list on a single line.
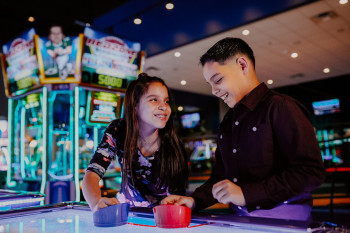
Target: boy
[(267, 160)]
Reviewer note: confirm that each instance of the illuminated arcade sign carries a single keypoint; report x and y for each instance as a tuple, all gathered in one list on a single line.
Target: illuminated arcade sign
[(109, 61), (19, 65), (103, 107), (104, 80), (58, 55), (32, 101)]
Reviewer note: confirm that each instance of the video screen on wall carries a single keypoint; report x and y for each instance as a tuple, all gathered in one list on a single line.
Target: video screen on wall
[(326, 107), (190, 120)]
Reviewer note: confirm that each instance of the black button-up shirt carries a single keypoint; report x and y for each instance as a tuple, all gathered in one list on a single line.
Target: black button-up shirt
[(268, 147)]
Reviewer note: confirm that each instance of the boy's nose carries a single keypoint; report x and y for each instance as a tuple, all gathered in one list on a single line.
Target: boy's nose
[(214, 91)]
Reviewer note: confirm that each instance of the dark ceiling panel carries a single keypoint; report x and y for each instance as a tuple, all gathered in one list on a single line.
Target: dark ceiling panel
[(161, 29), (189, 21)]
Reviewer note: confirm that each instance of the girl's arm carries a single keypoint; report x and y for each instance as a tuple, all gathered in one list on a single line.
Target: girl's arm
[(92, 192)]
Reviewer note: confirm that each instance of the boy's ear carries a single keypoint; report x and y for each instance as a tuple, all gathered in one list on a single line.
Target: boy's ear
[(243, 63)]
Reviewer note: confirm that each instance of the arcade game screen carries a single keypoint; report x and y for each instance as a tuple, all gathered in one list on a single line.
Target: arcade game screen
[(103, 107)]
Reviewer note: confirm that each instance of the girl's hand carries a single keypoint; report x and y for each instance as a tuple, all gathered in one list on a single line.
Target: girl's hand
[(179, 200), (104, 202)]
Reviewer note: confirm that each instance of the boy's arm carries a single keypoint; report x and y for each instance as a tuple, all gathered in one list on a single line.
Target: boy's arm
[(203, 195)]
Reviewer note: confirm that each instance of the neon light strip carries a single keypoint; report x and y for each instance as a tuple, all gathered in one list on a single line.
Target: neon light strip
[(122, 111), (95, 137), (50, 104), (9, 182), (7, 156), (338, 169), (21, 201), (44, 154), (72, 118), (76, 144), (22, 142), (78, 58), (144, 225), (87, 113), (199, 225)]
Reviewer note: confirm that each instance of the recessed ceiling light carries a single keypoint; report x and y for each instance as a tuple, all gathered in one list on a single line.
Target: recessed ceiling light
[(342, 2), (137, 20), (270, 81), (294, 55), (183, 82), (177, 54), (169, 5), (326, 70), (245, 32), (31, 19), (180, 108)]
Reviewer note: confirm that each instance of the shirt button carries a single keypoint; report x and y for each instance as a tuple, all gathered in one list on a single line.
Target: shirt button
[(258, 207), (239, 207), (221, 136), (235, 180), (236, 123), (234, 150), (285, 202), (254, 128)]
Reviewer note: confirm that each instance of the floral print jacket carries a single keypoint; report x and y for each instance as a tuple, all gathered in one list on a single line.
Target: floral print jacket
[(144, 191)]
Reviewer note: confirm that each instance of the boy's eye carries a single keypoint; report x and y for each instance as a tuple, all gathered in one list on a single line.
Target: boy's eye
[(218, 81)]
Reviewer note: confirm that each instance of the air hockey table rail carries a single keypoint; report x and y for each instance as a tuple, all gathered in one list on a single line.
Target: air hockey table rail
[(77, 217), (10, 199)]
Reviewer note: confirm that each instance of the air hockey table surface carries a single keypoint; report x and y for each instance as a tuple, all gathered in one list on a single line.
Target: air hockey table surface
[(77, 217)]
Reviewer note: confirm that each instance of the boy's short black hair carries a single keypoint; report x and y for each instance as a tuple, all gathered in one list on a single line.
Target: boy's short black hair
[(226, 49)]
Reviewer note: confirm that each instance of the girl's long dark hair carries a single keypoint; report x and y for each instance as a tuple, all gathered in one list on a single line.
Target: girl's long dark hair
[(173, 158)]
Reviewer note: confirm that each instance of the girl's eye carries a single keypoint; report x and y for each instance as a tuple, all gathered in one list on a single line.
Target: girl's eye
[(153, 100)]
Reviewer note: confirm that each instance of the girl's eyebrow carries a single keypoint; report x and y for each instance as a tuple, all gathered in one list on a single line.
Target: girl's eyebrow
[(152, 96)]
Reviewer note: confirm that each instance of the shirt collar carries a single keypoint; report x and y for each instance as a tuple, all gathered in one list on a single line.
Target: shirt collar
[(255, 96)]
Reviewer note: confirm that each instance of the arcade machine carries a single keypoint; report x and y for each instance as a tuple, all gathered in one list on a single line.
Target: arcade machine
[(25, 115), (108, 65), (4, 155), (55, 127), (333, 139), (199, 146)]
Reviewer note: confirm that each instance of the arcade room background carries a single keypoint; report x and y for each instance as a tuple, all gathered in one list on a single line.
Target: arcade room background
[(54, 109)]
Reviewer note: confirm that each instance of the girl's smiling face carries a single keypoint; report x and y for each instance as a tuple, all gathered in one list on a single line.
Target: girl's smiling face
[(153, 110)]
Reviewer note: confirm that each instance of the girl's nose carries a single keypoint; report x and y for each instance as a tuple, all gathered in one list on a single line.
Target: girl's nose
[(162, 106)]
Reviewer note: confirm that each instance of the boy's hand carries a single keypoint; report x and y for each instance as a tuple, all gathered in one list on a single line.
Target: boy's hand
[(227, 192)]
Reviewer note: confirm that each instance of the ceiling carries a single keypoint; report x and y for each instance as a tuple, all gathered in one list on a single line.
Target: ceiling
[(320, 42), (277, 28)]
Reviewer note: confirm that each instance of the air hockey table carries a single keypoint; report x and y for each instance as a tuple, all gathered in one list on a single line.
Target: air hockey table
[(18, 199), (76, 217)]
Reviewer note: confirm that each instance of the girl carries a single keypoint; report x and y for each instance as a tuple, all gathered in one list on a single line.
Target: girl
[(152, 159)]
